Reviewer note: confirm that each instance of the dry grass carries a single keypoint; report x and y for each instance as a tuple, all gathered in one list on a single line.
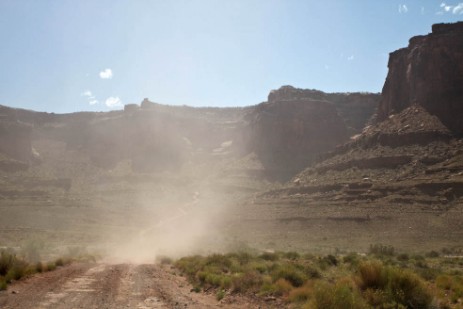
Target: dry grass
[(350, 281)]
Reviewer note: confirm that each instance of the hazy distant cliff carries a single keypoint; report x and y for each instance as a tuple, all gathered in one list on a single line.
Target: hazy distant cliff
[(287, 132)]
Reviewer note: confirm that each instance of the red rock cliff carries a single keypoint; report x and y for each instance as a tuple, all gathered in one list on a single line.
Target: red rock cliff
[(429, 72)]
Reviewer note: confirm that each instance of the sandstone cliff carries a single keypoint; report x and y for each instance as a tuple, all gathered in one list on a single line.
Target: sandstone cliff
[(296, 126), (429, 72)]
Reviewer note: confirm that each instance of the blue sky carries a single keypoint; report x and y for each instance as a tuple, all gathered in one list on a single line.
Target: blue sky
[(66, 55)]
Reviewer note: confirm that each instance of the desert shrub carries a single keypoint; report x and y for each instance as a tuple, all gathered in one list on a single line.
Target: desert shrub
[(59, 262), (283, 286), (249, 281), (165, 260), (190, 265), (427, 273), (452, 284), (39, 267), (279, 288), (371, 275), (393, 285), (196, 289), (220, 294), (403, 257), (408, 289), (301, 294), (17, 271), (312, 272), (292, 255), (444, 282), (432, 254), (339, 296), (421, 264), (219, 260), (242, 258), (7, 260), (51, 266), (331, 260), (351, 258), (269, 256), (3, 284), (289, 272)]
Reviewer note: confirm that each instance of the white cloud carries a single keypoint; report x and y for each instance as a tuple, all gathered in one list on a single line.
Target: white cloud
[(113, 102), (90, 97), (403, 8), (350, 58), (106, 74), (448, 8), (458, 9), (86, 93)]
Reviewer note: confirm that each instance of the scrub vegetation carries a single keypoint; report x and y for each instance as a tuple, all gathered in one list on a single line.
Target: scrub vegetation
[(380, 279), (15, 266)]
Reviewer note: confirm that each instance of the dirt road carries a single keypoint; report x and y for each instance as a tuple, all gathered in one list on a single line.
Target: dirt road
[(112, 286)]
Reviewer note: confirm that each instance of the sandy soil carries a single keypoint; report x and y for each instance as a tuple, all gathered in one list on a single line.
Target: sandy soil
[(114, 286)]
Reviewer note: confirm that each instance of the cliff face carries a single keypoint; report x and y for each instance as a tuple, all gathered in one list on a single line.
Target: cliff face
[(295, 126), (355, 108), (288, 135), (412, 153), (429, 72)]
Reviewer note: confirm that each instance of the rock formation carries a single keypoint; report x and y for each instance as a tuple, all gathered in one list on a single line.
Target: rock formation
[(429, 72), (296, 126)]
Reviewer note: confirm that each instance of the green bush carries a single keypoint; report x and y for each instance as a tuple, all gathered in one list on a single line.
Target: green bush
[(393, 285), (246, 282), (292, 255), (51, 266), (39, 267), (292, 274), (371, 275), (351, 258), (16, 272), (269, 256), (3, 284), (408, 289), (339, 296), (59, 262), (220, 294), (7, 260), (301, 294)]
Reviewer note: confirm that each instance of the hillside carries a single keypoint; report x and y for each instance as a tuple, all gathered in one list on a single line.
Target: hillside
[(400, 181), (92, 178)]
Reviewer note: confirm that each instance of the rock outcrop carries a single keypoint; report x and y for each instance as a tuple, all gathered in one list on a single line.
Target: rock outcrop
[(355, 108), (296, 126), (429, 72), (288, 135), (412, 153)]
